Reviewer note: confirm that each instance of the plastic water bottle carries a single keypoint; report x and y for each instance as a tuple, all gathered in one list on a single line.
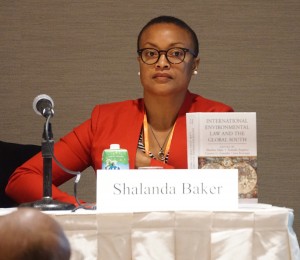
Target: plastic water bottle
[(115, 158)]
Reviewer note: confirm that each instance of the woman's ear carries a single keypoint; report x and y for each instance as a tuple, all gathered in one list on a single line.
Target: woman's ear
[(196, 63)]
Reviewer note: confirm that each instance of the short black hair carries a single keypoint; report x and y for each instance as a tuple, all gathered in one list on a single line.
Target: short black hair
[(172, 20)]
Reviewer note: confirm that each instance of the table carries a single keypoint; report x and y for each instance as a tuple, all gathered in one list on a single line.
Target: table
[(261, 233)]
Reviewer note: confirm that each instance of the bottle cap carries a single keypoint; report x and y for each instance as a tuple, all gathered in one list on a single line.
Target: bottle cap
[(114, 146)]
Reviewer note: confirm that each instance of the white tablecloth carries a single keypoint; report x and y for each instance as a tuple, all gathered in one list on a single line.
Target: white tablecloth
[(245, 234)]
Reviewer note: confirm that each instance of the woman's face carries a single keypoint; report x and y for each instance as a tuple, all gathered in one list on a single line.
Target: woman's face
[(164, 78)]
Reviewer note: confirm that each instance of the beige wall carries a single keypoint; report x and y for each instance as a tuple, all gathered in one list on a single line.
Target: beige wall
[(84, 52)]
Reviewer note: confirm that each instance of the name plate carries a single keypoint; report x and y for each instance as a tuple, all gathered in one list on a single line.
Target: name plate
[(123, 191)]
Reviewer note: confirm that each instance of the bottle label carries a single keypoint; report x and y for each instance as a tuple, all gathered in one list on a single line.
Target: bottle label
[(115, 159)]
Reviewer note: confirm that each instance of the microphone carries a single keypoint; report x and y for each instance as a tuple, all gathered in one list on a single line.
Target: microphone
[(43, 105)]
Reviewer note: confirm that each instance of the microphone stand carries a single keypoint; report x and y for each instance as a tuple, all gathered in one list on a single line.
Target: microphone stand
[(47, 203)]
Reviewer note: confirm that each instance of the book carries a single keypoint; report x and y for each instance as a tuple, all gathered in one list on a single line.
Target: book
[(225, 141)]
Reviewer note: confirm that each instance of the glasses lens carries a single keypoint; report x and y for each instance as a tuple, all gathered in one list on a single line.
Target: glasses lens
[(176, 55), (150, 56)]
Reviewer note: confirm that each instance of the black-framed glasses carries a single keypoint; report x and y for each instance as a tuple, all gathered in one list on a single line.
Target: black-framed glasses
[(174, 55)]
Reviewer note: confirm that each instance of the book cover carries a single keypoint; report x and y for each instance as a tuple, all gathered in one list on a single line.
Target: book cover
[(225, 141)]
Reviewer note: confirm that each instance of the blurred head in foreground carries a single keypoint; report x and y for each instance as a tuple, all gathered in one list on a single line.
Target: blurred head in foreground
[(28, 234)]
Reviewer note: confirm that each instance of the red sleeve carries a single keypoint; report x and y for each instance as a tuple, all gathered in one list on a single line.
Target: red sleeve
[(72, 151), (26, 183)]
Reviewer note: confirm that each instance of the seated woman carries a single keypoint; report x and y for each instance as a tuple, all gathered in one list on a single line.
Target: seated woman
[(152, 128)]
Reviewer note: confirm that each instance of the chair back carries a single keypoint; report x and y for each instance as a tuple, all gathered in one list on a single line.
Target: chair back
[(12, 155)]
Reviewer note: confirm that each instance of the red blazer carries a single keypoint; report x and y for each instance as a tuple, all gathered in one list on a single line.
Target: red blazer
[(120, 123)]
